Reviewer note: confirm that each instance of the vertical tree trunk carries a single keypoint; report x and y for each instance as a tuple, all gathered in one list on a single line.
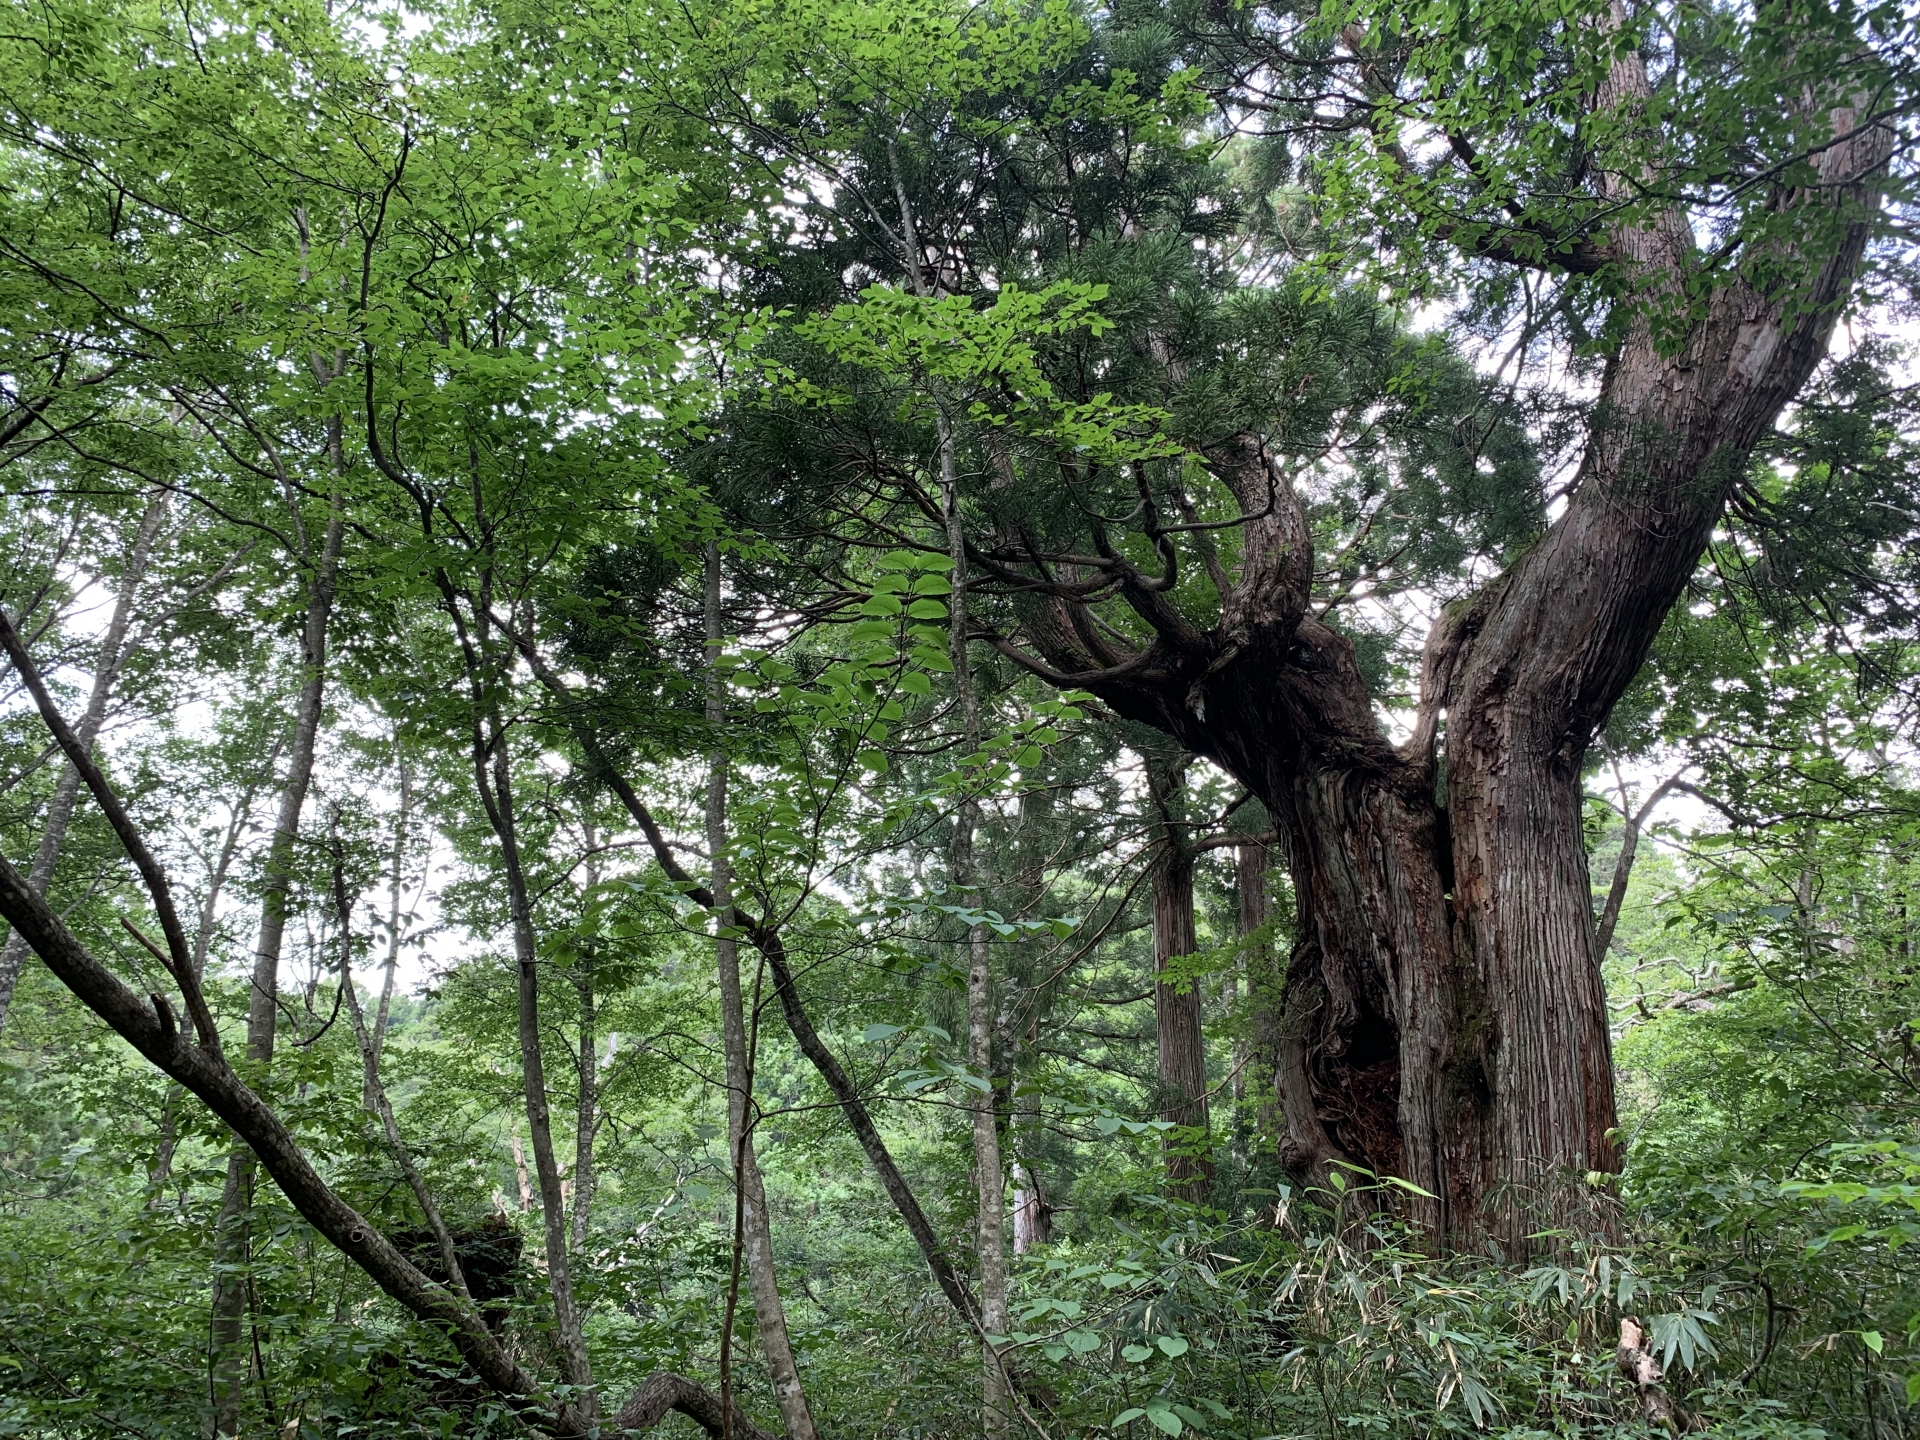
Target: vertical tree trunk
[(497, 796), (756, 1225), (1032, 1212), (587, 1113), (1263, 979), (586, 1119), (232, 1238), (1182, 1044), (162, 1169), (66, 792), (396, 889), (374, 1091), (989, 1173)]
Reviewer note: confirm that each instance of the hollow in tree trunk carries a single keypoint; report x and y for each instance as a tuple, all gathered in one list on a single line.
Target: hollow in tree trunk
[(1443, 1017)]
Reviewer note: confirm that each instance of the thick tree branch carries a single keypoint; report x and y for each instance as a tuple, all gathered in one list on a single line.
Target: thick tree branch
[(179, 957)]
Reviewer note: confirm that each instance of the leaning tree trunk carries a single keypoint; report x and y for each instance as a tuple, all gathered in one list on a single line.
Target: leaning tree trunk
[(106, 673)]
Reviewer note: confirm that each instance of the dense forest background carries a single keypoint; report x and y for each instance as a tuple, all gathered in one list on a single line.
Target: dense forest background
[(879, 718)]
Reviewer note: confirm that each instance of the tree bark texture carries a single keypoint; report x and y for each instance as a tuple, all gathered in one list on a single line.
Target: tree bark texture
[(1443, 1016), (66, 792), (1182, 1043)]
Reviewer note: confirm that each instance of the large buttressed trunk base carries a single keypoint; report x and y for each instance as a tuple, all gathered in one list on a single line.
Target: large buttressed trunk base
[(1443, 1020)]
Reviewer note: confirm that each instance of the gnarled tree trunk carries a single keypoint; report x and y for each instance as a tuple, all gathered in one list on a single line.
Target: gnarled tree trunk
[(1443, 1018)]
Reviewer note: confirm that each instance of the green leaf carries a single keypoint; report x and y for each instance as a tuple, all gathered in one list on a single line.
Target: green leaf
[(1172, 1346), (1136, 1353), (1872, 1340)]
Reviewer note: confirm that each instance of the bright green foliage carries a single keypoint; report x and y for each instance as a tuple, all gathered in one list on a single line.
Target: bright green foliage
[(539, 301)]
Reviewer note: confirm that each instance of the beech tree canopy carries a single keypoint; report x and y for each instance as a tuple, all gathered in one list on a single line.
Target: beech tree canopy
[(871, 717)]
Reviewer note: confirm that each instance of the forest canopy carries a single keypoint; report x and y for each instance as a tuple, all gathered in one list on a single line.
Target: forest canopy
[(830, 718)]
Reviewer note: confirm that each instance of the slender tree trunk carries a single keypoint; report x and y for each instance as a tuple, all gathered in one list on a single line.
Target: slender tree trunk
[(1182, 1046), (1252, 860), (756, 1225), (396, 890), (202, 941), (587, 1113), (375, 1091), (232, 1237), (520, 1174), (989, 1173), (1032, 1214), (766, 938), (66, 792), (498, 799)]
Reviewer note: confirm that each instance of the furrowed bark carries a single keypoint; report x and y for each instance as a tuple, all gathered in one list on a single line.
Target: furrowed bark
[(756, 1237), (106, 673), (1443, 1016), (232, 1244)]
